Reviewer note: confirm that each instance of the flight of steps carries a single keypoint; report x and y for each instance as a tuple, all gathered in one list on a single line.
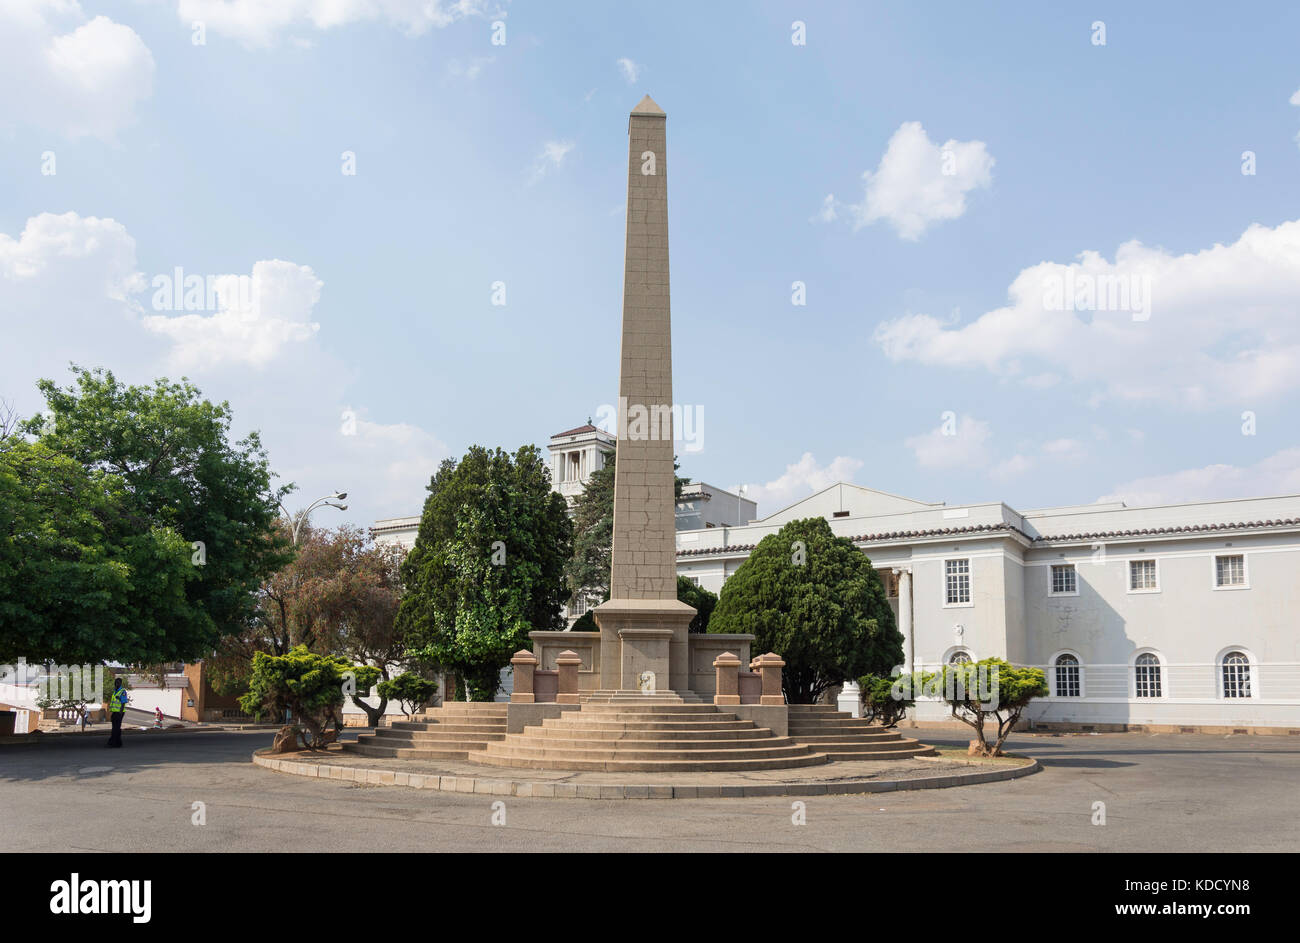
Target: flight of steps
[(605, 696), (632, 732), (844, 737), (450, 732)]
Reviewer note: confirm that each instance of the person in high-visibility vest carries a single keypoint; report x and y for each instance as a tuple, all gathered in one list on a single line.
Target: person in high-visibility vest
[(116, 711)]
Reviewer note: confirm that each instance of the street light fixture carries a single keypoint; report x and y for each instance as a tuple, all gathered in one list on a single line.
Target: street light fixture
[(324, 501)]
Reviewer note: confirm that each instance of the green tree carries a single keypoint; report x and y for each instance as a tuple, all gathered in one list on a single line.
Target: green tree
[(814, 599), (165, 455), (410, 690), (487, 566), (308, 685), (886, 700), (339, 594), (699, 597), (991, 686), (83, 579)]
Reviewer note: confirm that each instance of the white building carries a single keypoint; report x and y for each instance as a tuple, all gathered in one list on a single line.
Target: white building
[(1159, 616)]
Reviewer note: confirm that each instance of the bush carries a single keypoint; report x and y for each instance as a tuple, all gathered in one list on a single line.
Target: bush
[(309, 685), (814, 599), (410, 690), (885, 700), (991, 686)]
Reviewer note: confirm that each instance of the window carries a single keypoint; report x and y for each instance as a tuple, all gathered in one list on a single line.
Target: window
[(1146, 674), (579, 606), (1141, 576), (1067, 676), (1230, 570), (1064, 580), (1236, 675), (959, 658), (957, 582)]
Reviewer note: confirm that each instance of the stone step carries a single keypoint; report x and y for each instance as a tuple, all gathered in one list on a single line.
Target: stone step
[(649, 707), (404, 753), (650, 766), (431, 736), (607, 733), (833, 725), (830, 737), (694, 748), (860, 752), (450, 725), (620, 724)]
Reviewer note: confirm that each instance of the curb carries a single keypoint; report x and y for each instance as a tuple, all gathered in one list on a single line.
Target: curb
[(532, 790), (77, 736)]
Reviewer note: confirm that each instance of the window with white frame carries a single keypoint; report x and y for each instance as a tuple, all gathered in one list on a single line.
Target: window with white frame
[(1146, 675), (1067, 676), (1236, 675), (1230, 570), (959, 658), (956, 582), (1064, 580), (1141, 575)]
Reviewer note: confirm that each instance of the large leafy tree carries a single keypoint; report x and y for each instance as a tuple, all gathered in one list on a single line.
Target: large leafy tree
[(177, 474), (339, 594), (815, 600), (487, 566), (82, 577)]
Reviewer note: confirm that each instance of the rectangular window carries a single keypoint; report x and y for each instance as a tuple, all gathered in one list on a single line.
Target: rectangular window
[(957, 582), (1230, 570), (1141, 575), (1064, 579)]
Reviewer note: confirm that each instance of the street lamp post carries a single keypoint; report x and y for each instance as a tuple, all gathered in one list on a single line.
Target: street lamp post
[(326, 501)]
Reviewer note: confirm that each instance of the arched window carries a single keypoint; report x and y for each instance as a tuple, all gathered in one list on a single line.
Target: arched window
[(1146, 675), (1067, 676), (1236, 675), (959, 658)]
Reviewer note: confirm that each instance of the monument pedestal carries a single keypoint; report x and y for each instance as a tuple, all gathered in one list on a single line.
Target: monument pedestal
[(644, 639)]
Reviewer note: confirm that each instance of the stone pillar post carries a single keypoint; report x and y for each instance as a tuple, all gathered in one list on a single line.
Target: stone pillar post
[(568, 662), (850, 698), (904, 575), (769, 666), (727, 668), (524, 663)]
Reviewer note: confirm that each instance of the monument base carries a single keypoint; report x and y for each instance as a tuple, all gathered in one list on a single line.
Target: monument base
[(643, 644)]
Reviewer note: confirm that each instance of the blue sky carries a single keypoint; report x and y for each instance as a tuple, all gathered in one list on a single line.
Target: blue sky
[(477, 163)]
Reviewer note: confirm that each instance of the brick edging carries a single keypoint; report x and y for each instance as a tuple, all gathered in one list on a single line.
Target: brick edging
[(532, 790)]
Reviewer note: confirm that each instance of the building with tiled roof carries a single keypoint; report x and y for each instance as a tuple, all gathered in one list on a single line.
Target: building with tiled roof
[(1182, 615)]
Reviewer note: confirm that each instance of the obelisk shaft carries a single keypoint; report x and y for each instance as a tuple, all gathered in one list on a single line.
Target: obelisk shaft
[(644, 552)]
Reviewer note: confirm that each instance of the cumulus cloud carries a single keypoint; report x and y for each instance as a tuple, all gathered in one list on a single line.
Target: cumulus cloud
[(1278, 474), (1149, 326), (1295, 99), (829, 212), (259, 23), (469, 68), (962, 443), (256, 316), (631, 71), (801, 479), (919, 183), (75, 76)]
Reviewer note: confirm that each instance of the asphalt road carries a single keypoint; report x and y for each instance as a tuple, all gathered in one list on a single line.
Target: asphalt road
[(1172, 793)]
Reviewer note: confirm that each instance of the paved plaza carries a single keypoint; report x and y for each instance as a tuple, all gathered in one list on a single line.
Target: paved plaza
[(1161, 792)]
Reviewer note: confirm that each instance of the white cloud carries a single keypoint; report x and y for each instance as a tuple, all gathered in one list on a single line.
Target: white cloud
[(631, 71), (919, 183), (801, 479), (829, 212), (70, 291), (1295, 99), (469, 68), (1221, 323), (1278, 474), (966, 447), (71, 75), (550, 158), (259, 23), (252, 325)]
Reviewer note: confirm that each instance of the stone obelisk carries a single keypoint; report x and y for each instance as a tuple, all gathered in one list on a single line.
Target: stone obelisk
[(643, 627)]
